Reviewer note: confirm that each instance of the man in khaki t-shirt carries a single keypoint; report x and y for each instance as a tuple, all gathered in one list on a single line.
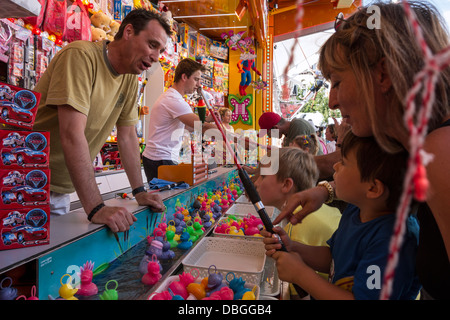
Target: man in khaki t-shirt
[(86, 90)]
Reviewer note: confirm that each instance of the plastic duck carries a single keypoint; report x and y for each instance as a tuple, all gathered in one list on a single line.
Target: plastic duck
[(187, 278), (225, 293), (32, 297), (110, 294), (179, 289), (198, 290), (165, 295), (178, 204), (224, 204), (185, 243), (163, 226), (196, 204), (249, 295), (155, 248), (7, 293), (170, 235), (153, 272), (198, 229), (207, 221), (214, 281), (237, 285), (187, 216), (144, 262), (175, 296), (190, 229), (66, 291), (179, 223), (166, 253), (87, 287), (158, 234)]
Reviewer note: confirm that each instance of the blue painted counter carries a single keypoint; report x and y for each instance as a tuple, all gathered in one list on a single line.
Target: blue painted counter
[(101, 246)]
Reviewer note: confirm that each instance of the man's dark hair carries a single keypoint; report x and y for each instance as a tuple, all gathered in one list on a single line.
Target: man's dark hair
[(188, 67), (139, 18)]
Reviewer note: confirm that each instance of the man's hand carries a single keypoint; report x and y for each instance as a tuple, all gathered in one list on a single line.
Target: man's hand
[(151, 200), (118, 219)]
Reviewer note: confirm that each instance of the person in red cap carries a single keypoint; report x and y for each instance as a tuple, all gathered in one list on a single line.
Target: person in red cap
[(297, 127), (289, 129)]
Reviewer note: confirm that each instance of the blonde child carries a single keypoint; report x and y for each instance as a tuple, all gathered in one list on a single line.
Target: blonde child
[(298, 171)]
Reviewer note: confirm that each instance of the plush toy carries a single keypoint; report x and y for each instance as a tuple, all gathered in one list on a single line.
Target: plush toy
[(114, 27), (245, 65), (97, 34), (102, 21)]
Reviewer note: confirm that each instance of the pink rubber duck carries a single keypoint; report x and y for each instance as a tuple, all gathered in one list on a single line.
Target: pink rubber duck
[(87, 287), (153, 272)]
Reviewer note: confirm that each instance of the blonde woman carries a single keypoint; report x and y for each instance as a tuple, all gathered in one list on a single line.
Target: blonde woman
[(371, 72)]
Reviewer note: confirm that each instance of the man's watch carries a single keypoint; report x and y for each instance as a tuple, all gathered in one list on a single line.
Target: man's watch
[(138, 190), (330, 190)]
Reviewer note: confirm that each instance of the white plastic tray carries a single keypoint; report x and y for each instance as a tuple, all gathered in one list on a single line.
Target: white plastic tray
[(243, 199), (244, 258), (243, 209), (165, 285)]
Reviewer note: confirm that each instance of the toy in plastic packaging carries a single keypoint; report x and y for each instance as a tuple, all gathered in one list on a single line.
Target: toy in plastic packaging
[(55, 17), (18, 106), (78, 23), (37, 21)]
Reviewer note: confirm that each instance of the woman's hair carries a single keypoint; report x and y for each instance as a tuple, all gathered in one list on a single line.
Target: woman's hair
[(333, 132), (300, 166), (361, 49), (375, 163), (139, 18), (223, 111), (308, 141), (187, 66)]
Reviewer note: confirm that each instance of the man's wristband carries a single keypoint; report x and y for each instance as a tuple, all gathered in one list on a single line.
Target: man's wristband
[(138, 190), (95, 210), (330, 190)]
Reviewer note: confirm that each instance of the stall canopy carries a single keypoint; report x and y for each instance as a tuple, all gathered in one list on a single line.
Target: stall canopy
[(212, 18), (319, 15)]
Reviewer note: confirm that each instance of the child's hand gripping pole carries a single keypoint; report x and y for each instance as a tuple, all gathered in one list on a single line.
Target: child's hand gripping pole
[(243, 175)]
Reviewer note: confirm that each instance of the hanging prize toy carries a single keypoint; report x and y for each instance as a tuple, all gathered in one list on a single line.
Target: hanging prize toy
[(245, 65)]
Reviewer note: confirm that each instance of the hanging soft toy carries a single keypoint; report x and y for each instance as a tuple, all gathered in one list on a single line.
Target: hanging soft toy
[(245, 65), (232, 40), (259, 84)]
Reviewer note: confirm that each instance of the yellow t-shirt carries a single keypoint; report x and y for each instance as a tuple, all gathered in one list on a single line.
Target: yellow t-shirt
[(81, 76), (316, 228)]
